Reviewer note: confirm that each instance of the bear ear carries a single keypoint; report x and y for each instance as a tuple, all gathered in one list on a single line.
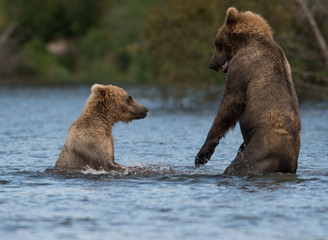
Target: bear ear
[(231, 16), (97, 89)]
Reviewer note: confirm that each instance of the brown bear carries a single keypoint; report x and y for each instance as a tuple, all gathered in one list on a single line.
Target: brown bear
[(89, 142), (259, 93)]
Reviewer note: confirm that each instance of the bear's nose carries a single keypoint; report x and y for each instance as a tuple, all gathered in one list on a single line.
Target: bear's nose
[(215, 68), (211, 66)]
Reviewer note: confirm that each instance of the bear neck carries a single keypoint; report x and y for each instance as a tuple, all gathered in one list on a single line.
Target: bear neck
[(244, 41), (98, 119)]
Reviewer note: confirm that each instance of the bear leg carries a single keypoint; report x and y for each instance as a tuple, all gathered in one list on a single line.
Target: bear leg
[(253, 160)]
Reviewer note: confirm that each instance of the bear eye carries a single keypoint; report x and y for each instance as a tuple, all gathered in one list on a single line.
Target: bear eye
[(129, 99)]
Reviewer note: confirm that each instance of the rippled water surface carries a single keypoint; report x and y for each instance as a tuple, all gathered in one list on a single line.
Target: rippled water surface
[(171, 199)]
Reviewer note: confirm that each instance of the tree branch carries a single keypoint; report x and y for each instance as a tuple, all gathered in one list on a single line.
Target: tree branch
[(6, 33), (318, 89), (317, 33)]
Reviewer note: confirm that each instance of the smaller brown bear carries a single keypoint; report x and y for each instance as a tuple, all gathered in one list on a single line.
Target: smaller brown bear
[(89, 142)]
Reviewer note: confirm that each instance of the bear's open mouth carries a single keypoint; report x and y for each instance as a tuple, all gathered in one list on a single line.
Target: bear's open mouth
[(225, 66)]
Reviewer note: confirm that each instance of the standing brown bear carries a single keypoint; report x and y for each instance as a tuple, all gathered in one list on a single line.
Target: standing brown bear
[(89, 142), (259, 93)]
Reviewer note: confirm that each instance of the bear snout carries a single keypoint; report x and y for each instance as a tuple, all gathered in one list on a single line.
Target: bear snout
[(142, 113), (215, 68), (145, 111), (218, 67)]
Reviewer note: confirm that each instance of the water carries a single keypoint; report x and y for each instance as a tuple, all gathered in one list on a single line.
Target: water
[(170, 199)]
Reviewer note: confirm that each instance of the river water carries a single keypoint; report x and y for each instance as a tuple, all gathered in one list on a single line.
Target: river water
[(171, 199)]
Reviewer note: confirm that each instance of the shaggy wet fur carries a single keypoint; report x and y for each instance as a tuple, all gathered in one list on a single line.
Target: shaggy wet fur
[(259, 94), (89, 142)]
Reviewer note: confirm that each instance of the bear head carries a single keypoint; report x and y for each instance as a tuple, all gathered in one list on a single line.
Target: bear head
[(114, 104), (237, 31)]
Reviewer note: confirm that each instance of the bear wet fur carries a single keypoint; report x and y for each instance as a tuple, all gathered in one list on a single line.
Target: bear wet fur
[(89, 142), (259, 93)]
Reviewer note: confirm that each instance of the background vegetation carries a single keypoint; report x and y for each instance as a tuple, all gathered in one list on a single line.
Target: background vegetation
[(166, 43)]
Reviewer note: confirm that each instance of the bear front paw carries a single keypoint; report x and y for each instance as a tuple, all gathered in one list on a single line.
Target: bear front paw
[(201, 159)]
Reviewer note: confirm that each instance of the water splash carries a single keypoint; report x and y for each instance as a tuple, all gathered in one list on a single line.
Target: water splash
[(92, 171), (138, 168), (150, 168)]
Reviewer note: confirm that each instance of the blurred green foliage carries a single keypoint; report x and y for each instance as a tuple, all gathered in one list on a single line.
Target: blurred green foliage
[(180, 40), (52, 19), (166, 43), (93, 40)]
